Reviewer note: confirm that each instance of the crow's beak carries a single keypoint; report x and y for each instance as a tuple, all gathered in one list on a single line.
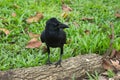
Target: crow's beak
[(63, 26)]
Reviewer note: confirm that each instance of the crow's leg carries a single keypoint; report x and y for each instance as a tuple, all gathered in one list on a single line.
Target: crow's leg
[(59, 61), (48, 61)]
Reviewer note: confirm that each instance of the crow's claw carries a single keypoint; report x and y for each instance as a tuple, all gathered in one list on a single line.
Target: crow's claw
[(58, 63), (48, 63)]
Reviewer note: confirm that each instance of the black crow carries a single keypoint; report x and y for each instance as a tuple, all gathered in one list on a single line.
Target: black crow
[(54, 37)]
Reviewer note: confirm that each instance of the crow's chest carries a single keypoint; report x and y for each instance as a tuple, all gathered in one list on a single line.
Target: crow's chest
[(53, 37)]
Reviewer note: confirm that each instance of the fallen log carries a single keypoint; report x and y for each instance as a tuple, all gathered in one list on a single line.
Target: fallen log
[(74, 67)]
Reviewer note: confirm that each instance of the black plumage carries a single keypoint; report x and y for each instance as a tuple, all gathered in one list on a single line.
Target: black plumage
[(54, 37)]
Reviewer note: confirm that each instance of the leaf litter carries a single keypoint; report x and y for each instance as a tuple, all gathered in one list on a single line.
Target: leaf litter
[(66, 9), (111, 59), (38, 16), (6, 31), (33, 35), (33, 43)]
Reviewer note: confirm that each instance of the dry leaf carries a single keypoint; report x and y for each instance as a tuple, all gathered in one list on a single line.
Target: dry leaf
[(76, 24), (107, 65), (64, 15), (118, 55), (44, 49), (102, 78), (35, 18), (118, 73), (87, 19), (7, 32), (66, 8), (62, 1), (87, 32), (13, 14), (110, 36), (116, 77), (117, 15), (26, 29), (32, 35), (113, 54), (104, 73), (34, 43), (16, 6), (110, 79), (116, 64)]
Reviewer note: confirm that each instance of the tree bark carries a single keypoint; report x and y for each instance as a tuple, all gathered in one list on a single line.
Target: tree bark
[(74, 67)]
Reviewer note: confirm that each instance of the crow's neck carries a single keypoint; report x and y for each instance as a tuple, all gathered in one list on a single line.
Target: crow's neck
[(53, 30)]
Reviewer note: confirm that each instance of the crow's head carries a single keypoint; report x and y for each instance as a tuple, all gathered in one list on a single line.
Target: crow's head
[(54, 24)]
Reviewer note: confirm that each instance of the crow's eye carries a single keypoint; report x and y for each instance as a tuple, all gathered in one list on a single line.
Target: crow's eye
[(56, 24)]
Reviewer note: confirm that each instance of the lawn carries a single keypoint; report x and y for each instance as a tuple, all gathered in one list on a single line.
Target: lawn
[(83, 36)]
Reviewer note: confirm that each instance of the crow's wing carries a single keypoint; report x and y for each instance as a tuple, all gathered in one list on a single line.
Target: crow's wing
[(62, 37), (43, 36)]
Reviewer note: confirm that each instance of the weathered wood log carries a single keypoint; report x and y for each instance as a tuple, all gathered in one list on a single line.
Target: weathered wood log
[(72, 67)]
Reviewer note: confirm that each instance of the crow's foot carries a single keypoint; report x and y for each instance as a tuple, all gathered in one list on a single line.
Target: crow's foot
[(48, 62), (58, 63)]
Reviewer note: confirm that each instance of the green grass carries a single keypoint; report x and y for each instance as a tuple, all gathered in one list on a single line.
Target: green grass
[(96, 75), (13, 53)]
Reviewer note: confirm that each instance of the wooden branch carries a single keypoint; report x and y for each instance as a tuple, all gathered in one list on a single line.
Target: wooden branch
[(110, 49), (73, 67)]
